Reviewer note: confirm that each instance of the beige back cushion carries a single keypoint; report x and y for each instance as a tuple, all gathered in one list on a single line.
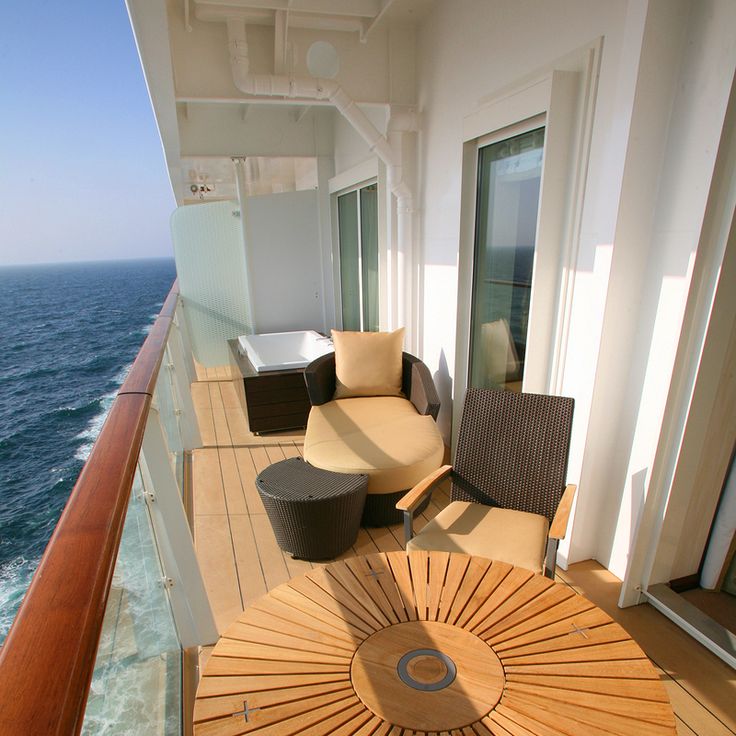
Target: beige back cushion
[(368, 363)]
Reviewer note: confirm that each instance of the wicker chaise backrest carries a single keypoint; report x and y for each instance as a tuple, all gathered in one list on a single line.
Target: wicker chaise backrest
[(512, 450)]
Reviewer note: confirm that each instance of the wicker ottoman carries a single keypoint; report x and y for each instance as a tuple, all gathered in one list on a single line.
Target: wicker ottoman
[(315, 514)]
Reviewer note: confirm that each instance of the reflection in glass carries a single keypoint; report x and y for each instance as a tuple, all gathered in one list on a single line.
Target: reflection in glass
[(357, 213), (509, 175)]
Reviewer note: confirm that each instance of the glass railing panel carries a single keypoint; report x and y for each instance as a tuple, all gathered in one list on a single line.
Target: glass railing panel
[(166, 402), (136, 686)]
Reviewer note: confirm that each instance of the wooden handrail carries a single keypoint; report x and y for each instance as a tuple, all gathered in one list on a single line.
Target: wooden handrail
[(47, 660)]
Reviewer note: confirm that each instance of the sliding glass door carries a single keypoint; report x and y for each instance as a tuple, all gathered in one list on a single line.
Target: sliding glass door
[(357, 217), (509, 176)]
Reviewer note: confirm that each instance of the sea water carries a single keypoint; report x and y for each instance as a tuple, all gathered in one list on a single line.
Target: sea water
[(68, 335)]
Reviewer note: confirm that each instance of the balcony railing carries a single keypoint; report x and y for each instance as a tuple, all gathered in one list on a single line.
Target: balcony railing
[(53, 652)]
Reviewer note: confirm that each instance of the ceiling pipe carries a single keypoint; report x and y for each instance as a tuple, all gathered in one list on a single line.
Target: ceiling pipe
[(310, 88), (314, 88)]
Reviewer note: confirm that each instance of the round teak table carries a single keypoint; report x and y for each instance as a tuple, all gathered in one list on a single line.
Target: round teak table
[(428, 643)]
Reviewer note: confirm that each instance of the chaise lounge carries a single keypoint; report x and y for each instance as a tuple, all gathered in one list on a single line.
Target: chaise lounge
[(373, 411)]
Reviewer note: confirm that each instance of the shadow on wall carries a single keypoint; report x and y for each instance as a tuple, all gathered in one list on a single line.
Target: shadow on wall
[(443, 383)]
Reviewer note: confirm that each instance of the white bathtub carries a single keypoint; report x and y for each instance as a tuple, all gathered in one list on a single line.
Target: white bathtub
[(278, 351)]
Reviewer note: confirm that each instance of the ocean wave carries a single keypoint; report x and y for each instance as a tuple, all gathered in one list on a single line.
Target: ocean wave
[(92, 430), (119, 378), (96, 364), (15, 576), (25, 372), (73, 411), (89, 434)]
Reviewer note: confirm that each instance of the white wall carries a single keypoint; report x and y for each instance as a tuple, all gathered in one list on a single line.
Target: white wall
[(284, 258), (665, 73), (687, 64), (467, 52)]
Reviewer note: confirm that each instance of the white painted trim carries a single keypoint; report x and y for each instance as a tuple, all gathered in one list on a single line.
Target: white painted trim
[(563, 101), (150, 29), (719, 223), (580, 158), (336, 277), (469, 196), (468, 184), (384, 255), (325, 167), (508, 110), (702, 628), (353, 177), (550, 250)]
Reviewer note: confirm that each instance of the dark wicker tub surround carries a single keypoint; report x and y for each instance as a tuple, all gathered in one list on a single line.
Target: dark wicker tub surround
[(315, 514), (274, 400), (416, 385)]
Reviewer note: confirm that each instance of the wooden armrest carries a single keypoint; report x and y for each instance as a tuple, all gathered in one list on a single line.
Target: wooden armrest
[(411, 499), (559, 523)]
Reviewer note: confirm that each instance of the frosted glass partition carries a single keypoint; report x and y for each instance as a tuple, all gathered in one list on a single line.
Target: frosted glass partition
[(136, 686), (209, 250)]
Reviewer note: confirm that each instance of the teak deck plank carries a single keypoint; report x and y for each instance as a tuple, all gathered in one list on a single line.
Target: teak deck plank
[(245, 549), (214, 551), (239, 566), (209, 497), (234, 496)]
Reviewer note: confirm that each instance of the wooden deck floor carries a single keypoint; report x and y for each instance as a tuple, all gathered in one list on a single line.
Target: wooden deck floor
[(240, 559)]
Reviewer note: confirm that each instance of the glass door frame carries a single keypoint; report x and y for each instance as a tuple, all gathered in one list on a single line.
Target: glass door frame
[(335, 195), (556, 101), (514, 131)]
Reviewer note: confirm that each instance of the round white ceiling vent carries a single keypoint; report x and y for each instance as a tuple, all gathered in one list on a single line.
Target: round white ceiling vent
[(322, 60)]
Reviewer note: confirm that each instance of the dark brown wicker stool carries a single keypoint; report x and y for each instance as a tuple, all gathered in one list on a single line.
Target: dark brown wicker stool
[(315, 514)]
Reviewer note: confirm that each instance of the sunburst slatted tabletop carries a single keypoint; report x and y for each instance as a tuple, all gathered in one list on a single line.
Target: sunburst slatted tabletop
[(428, 643)]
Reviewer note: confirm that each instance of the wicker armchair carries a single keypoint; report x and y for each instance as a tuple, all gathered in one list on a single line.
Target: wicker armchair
[(509, 500)]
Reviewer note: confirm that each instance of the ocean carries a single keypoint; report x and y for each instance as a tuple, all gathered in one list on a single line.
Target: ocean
[(69, 335)]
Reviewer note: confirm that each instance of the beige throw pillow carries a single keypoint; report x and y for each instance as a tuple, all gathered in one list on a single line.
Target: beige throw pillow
[(368, 363)]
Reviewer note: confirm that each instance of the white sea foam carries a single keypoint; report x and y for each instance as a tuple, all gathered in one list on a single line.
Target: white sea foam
[(15, 576), (92, 430)]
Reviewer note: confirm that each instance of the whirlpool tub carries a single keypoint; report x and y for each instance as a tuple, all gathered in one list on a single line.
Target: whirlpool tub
[(283, 351)]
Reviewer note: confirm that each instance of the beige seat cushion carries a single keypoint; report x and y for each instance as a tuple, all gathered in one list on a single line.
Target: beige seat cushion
[(516, 537), (368, 363), (382, 436)]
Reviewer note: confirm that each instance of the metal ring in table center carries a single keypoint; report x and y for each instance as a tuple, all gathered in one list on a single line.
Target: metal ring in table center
[(426, 669), (427, 676)]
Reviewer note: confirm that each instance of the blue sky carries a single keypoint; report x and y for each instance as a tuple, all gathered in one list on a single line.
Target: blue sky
[(84, 171)]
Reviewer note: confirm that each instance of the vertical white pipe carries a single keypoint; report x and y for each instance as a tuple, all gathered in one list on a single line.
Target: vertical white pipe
[(241, 186)]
